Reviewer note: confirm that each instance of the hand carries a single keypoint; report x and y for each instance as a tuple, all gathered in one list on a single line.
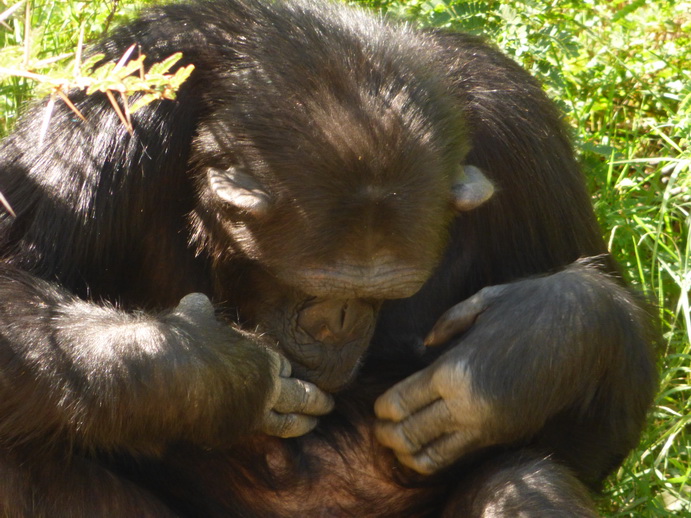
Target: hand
[(295, 403), (292, 405), (435, 416)]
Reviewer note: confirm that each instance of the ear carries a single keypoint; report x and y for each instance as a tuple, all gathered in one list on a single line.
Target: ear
[(471, 188), (239, 189)]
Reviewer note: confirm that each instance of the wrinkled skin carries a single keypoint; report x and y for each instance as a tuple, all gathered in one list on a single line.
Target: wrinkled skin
[(324, 338), (293, 404)]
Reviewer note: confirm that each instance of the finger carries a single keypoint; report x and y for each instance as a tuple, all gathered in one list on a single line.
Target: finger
[(195, 302), (455, 321), (279, 364), (288, 425), (461, 316), (407, 397), (195, 308), (416, 432), (441, 453), (301, 397), (285, 368)]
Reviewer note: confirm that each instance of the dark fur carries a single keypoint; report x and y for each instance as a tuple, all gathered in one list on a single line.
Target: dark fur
[(113, 405)]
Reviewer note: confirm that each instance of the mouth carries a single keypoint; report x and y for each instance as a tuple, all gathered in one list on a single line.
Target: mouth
[(330, 378), (328, 338), (324, 338)]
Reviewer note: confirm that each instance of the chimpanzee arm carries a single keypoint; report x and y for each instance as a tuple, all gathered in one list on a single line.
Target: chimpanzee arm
[(561, 361), (102, 378), (558, 351)]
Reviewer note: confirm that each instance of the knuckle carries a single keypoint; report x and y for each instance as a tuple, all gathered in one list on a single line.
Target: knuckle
[(288, 426), (284, 367), (417, 463), (387, 435), (274, 363), (397, 437), (381, 433), (389, 407), (292, 425), (313, 401), (300, 425), (450, 376), (307, 394), (436, 456), (278, 394), (429, 462), (407, 439), (442, 376), (270, 424)]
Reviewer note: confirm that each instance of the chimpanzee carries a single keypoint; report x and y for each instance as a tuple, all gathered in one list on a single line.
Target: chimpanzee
[(352, 270)]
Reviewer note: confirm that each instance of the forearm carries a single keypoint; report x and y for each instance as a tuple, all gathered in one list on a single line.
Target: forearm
[(535, 360), (102, 378), (573, 334)]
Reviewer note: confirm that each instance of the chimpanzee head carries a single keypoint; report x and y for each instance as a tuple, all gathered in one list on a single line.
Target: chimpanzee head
[(335, 173)]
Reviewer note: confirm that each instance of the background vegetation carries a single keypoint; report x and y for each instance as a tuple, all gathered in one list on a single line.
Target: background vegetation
[(621, 71)]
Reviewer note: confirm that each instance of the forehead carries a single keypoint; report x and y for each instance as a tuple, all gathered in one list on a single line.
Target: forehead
[(351, 135)]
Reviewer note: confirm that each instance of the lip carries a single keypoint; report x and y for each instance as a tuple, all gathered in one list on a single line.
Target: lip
[(324, 378), (323, 353)]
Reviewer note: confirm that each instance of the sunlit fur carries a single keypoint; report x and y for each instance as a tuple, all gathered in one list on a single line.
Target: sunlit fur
[(353, 129)]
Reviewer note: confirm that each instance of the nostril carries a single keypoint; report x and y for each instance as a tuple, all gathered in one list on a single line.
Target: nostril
[(344, 315)]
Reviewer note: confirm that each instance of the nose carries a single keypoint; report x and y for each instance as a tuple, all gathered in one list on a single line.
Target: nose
[(335, 321)]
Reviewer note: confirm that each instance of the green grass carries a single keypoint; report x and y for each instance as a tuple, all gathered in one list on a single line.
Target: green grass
[(621, 71)]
